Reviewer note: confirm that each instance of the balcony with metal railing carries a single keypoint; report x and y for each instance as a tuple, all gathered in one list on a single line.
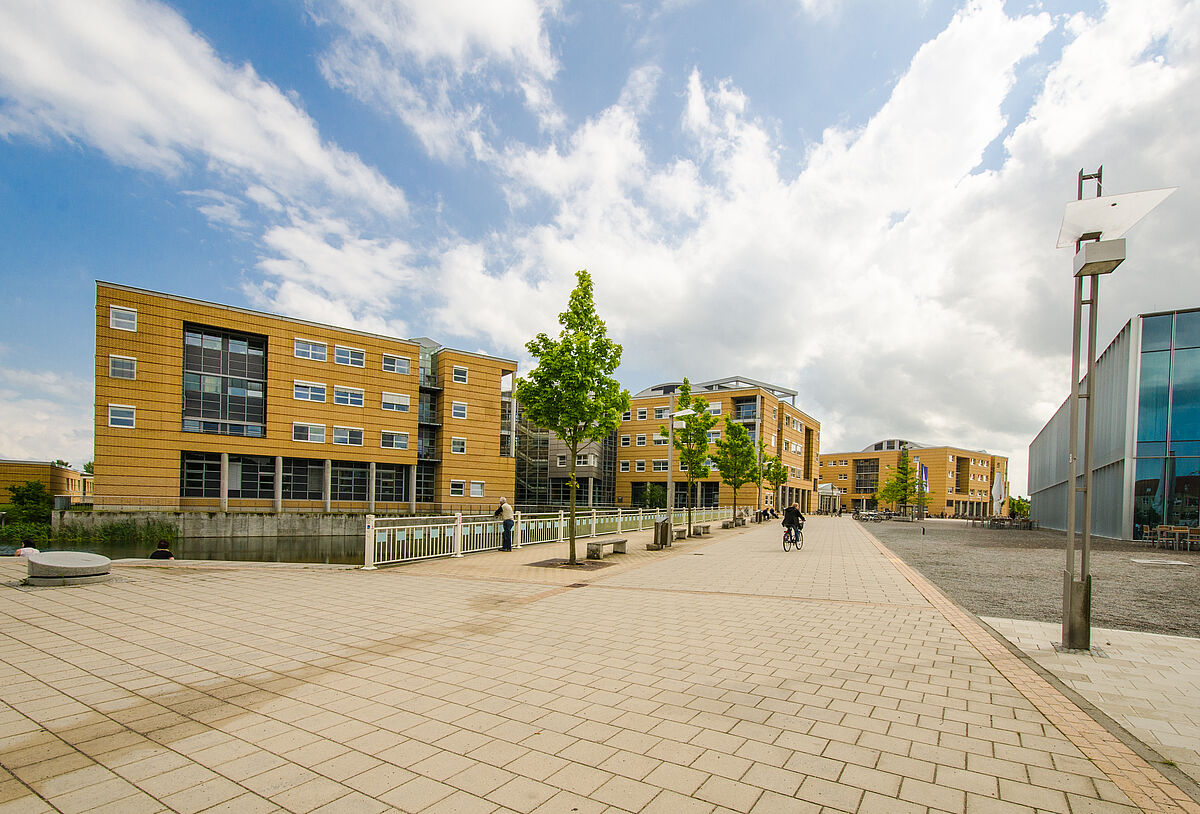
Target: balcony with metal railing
[(428, 416), (429, 381), (428, 452)]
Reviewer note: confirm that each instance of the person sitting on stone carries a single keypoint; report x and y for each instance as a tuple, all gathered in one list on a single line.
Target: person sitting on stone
[(26, 549), (163, 552)]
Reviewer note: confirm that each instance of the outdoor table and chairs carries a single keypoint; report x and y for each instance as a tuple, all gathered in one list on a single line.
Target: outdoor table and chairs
[(1176, 537)]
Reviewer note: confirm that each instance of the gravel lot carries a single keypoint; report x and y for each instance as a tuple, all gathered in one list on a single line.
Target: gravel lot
[(1018, 575)]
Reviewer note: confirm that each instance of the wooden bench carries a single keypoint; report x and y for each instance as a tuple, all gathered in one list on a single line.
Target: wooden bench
[(595, 548), (680, 532), (699, 529)]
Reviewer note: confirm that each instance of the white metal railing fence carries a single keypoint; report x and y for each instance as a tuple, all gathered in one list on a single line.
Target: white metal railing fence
[(392, 540)]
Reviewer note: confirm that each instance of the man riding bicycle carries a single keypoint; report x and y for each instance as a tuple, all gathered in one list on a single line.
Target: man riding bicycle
[(793, 521)]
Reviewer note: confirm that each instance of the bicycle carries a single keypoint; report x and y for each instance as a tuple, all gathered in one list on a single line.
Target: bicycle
[(798, 542)]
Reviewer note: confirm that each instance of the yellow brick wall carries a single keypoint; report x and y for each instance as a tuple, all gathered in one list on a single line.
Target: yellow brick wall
[(942, 463), (482, 460), (773, 430), (144, 462), (57, 480)]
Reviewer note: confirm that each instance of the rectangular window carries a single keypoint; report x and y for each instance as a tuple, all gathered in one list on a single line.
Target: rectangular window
[(714, 436), (395, 401), (123, 319), (347, 436), (350, 396), (122, 415), (641, 440), (625, 415), (683, 467), (641, 413), (661, 412), (562, 460), (459, 374), (122, 367), (312, 433), (624, 466), (349, 356), (714, 409), (476, 488), (660, 440), (395, 364), (624, 440), (458, 446), (393, 440), (458, 409), (307, 349), (301, 391), (640, 466), (660, 465), (458, 488)]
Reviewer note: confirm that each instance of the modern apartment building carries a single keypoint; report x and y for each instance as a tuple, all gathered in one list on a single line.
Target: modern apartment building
[(769, 412), (1146, 434), (201, 405), (958, 482), (543, 469)]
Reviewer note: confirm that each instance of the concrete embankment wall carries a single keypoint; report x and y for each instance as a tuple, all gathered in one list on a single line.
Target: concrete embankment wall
[(228, 524)]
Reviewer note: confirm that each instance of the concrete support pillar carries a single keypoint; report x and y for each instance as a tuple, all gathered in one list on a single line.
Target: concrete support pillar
[(327, 485), (224, 481), (371, 488), (412, 488), (278, 483), (589, 482)]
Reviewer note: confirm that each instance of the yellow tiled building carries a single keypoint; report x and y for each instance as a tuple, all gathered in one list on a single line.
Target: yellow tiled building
[(60, 481), (768, 412), (200, 405), (960, 482)]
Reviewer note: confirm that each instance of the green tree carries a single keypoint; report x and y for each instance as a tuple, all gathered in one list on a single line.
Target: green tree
[(691, 440), (654, 497), (776, 474), (88, 467), (1018, 506), (31, 503), (905, 485), (736, 458), (62, 463), (572, 391)]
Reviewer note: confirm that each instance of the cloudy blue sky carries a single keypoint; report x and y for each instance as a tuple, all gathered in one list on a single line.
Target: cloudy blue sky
[(858, 199)]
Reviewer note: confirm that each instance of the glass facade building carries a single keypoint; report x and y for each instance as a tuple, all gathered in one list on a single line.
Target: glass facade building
[(1146, 435)]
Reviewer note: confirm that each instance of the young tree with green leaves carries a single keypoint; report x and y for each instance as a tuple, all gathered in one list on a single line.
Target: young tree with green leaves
[(736, 458), (1018, 506), (89, 467), (572, 391), (905, 485), (776, 474), (691, 439), (31, 503)]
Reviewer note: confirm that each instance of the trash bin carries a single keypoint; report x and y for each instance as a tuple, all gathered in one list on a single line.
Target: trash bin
[(662, 532)]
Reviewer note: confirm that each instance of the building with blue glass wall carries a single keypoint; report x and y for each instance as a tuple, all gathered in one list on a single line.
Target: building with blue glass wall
[(1146, 434)]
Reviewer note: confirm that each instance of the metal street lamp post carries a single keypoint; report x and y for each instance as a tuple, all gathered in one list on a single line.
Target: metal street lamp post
[(1096, 228), (671, 416)]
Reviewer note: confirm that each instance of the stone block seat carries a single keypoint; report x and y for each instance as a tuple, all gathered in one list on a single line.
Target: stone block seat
[(67, 568), (595, 548)]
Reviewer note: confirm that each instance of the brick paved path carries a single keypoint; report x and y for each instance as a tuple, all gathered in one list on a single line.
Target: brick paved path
[(722, 675)]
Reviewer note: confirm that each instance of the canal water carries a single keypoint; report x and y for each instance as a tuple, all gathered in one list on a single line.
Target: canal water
[(338, 550)]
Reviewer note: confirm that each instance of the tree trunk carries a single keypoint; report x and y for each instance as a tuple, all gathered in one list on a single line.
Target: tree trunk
[(689, 507), (572, 484)]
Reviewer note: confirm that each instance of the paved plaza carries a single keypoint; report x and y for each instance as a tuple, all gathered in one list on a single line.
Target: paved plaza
[(723, 675)]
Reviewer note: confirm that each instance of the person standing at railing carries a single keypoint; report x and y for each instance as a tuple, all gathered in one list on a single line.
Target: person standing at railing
[(505, 512)]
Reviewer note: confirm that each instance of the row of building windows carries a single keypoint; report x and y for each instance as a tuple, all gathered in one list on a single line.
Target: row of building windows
[(662, 412), (253, 477), (658, 465)]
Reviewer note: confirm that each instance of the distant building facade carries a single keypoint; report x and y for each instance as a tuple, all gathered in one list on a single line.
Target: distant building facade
[(1146, 434), (207, 406), (959, 482), (767, 411), (65, 484)]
